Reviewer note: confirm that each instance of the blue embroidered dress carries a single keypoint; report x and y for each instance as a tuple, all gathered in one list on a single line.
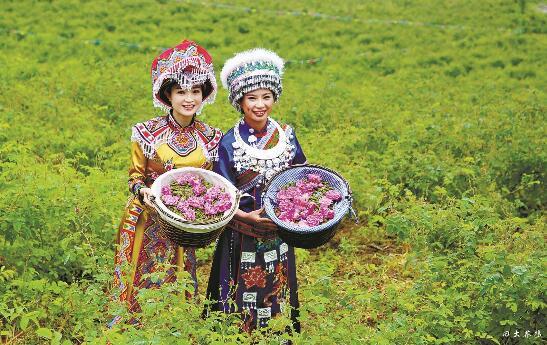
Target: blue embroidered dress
[(252, 267)]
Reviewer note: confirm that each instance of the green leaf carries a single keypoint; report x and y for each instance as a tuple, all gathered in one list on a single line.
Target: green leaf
[(512, 305), (56, 338), (24, 322), (508, 323), (44, 332)]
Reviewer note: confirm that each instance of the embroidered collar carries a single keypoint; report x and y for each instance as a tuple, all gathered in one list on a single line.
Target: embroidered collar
[(174, 125), (164, 129), (246, 127)]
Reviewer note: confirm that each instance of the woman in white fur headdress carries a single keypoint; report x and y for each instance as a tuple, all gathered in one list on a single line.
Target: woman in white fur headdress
[(252, 266)]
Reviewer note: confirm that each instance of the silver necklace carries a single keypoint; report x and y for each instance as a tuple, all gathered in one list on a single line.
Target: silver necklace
[(265, 162)]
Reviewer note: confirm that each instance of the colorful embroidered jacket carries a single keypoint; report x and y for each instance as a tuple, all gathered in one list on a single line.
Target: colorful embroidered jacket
[(161, 144)]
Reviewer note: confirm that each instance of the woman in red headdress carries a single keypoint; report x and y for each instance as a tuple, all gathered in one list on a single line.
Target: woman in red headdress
[(183, 81)]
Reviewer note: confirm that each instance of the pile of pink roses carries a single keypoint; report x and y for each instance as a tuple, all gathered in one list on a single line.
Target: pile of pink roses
[(308, 202), (195, 199)]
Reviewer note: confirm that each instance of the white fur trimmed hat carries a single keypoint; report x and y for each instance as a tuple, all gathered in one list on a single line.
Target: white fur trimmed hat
[(251, 70)]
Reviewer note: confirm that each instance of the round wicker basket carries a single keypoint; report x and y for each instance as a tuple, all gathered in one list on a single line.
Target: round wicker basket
[(307, 237), (186, 233)]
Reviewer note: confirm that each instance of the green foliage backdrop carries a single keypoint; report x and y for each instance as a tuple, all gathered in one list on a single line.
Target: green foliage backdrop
[(433, 110)]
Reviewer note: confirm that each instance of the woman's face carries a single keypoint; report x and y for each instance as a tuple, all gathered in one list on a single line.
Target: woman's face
[(185, 102), (257, 105)]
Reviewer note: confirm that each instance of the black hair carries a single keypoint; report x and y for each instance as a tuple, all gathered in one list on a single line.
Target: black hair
[(165, 89)]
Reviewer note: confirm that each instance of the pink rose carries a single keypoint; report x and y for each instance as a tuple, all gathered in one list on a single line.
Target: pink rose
[(183, 206), (325, 202), (304, 186), (169, 199), (327, 213), (224, 197), (210, 209), (212, 193), (199, 189), (182, 179), (314, 219), (314, 178), (166, 190), (196, 202), (285, 205), (301, 202), (282, 195), (292, 192), (224, 206), (333, 195), (189, 214), (287, 216)]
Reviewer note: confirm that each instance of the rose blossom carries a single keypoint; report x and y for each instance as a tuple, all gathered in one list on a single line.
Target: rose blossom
[(314, 219), (282, 195), (285, 205), (287, 216), (333, 195), (183, 206), (195, 201), (301, 202), (189, 214), (166, 190), (327, 213), (325, 202), (293, 192), (223, 206), (224, 197), (212, 193), (210, 209), (199, 189), (169, 199), (304, 186), (314, 178), (183, 179)]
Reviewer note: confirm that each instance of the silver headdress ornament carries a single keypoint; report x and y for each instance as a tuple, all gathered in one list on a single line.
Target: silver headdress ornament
[(251, 70), (187, 64)]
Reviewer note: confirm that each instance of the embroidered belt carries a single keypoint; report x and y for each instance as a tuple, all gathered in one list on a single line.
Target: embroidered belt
[(250, 230)]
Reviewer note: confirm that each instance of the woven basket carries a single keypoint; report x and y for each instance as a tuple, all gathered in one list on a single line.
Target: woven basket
[(307, 237), (186, 233)]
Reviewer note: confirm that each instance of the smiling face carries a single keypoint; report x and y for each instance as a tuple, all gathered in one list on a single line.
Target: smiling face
[(185, 102), (257, 106)]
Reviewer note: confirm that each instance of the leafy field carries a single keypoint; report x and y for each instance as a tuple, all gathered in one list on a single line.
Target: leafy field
[(433, 110)]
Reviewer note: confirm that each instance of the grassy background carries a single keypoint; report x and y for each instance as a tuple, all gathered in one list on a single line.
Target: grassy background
[(433, 110)]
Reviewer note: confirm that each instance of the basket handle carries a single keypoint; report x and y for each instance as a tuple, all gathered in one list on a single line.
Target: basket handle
[(353, 215), (153, 210), (351, 211)]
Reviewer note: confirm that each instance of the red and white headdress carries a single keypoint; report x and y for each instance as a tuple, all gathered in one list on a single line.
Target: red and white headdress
[(187, 64)]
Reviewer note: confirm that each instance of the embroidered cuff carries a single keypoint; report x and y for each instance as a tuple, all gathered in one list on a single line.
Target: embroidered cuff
[(135, 185), (137, 188)]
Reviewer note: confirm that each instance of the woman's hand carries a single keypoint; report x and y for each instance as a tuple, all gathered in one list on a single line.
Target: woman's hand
[(146, 194), (254, 218)]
